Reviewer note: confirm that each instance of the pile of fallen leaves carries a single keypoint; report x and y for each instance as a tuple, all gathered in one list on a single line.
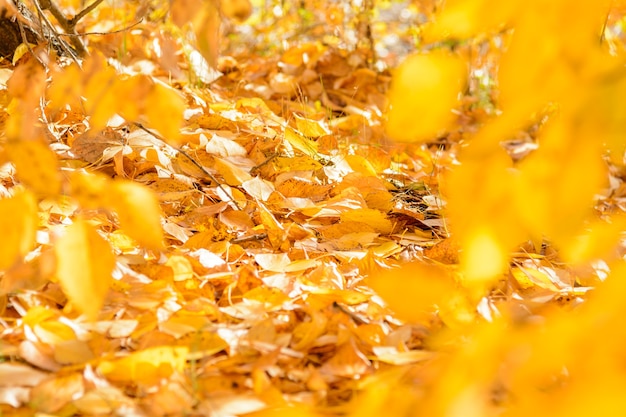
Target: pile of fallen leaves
[(183, 240), (223, 270)]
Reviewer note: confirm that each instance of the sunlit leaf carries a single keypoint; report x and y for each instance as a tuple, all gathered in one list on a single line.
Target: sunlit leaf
[(36, 166), (167, 116), (424, 91), (147, 366), (18, 222), (138, 211), (84, 266), (414, 289)]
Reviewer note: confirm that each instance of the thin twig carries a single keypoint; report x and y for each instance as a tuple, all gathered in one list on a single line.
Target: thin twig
[(102, 33), (62, 43), (252, 238), (25, 41), (193, 161), (73, 21), (65, 23)]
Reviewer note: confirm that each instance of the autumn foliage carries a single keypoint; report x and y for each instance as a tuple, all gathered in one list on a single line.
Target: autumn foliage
[(313, 208)]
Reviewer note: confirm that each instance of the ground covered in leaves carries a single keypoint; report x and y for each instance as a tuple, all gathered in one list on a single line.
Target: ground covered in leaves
[(282, 198), (283, 213)]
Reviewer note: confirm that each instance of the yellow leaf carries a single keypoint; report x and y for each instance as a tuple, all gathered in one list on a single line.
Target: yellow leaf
[(36, 166), (84, 266), (237, 9), (275, 231), (100, 95), (18, 222), (164, 111), (65, 88), (233, 175), (297, 163), (207, 29), (90, 190), (530, 277), (310, 128), (597, 243), (53, 332), (414, 289), (361, 165), (20, 51), (181, 267), (304, 145), (271, 298), (147, 366), (466, 18), (484, 256), (138, 211), (373, 218), (424, 90)]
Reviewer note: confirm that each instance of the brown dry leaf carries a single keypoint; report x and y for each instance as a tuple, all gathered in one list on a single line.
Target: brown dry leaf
[(84, 266), (92, 147)]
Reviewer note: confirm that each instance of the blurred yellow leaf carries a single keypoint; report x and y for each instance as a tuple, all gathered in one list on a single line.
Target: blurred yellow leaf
[(138, 211), (237, 9), (460, 19), (413, 289), (206, 24), (36, 166), (164, 111), (100, 98), (84, 266), (484, 255), (18, 222), (91, 190), (424, 90)]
